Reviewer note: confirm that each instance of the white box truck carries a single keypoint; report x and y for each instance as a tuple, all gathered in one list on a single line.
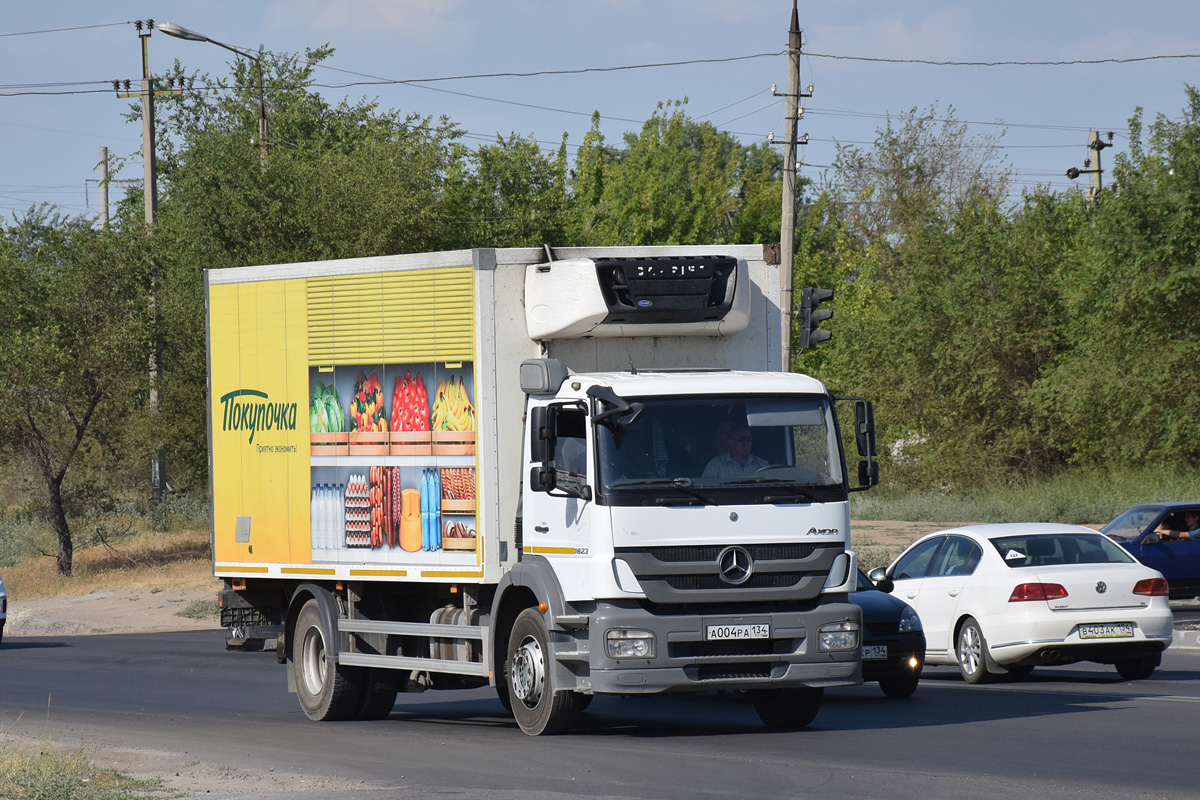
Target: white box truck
[(560, 473)]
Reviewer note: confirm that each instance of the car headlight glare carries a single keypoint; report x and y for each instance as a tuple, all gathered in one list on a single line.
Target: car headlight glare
[(626, 643), (909, 621), (838, 636)]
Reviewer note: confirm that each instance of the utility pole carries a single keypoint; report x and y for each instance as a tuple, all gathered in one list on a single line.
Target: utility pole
[(158, 462), (1095, 144), (104, 188), (787, 232)]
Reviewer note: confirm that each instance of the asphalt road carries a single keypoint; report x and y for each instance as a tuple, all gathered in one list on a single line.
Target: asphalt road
[(1069, 732)]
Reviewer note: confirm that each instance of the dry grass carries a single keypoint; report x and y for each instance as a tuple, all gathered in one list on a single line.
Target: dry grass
[(147, 562)]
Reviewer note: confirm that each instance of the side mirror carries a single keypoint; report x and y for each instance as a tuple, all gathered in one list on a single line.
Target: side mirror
[(864, 428), (868, 473), (542, 478), (880, 578), (541, 434), (1151, 538)]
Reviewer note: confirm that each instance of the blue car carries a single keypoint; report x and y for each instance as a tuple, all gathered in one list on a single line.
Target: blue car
[(893, 650), (1147, 532)]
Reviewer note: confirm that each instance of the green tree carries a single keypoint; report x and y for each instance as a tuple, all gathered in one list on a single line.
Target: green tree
[(1132, 294), (75, 339)]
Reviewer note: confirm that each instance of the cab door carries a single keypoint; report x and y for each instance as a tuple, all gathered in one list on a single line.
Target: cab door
[(559, 493)]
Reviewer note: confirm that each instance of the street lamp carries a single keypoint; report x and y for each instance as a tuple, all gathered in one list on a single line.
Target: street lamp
[(180, 32)]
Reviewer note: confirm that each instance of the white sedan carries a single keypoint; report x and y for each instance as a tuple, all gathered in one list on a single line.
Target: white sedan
[(998, 599)]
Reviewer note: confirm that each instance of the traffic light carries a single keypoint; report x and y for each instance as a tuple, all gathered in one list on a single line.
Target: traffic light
[(811, 316)]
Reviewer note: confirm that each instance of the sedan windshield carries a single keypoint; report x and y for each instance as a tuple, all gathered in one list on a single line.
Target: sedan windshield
[(1050, 549), (778, 448), (1131, 523)]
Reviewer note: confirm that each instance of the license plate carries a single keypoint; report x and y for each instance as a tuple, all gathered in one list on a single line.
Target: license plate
[(760, 631), (1109, 630), (874, 652)]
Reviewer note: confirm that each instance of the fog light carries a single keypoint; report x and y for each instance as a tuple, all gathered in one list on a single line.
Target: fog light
[(838, 636), (913, 662), (624, 643)]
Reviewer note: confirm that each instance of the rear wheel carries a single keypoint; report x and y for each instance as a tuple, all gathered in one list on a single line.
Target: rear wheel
[(972, 653), (326, 691), (379, 690), (899, 686), (785, 709), (1138, 669), (537, 704)]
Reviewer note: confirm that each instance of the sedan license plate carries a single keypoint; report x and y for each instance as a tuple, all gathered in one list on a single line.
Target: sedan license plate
[(1108, 630), (758, 631), (874, 652)]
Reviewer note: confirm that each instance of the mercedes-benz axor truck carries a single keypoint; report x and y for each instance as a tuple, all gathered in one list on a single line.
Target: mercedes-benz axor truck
[(560, 473)]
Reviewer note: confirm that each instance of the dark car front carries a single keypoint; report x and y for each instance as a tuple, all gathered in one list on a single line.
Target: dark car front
[(893, 640)]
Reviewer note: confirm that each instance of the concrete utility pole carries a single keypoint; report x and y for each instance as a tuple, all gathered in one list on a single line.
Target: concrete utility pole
[(787, 232), (1095, 144), (158, 463), (104, 188)]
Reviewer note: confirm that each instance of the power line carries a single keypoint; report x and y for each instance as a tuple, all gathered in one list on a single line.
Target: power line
[(1073, 62), (60, 30)]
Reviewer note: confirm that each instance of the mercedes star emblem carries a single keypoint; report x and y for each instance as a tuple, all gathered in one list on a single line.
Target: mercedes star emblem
[(735, 565)]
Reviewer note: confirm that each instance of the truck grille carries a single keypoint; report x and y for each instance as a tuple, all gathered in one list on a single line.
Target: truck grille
[(691, 573)]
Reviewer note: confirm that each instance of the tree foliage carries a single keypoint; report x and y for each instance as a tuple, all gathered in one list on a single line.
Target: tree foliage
[(75, 341)]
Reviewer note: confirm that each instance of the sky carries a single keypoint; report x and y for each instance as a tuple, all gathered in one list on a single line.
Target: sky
[(58, 58)]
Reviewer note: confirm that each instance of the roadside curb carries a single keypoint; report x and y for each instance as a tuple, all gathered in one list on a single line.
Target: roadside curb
[(1189, 640)]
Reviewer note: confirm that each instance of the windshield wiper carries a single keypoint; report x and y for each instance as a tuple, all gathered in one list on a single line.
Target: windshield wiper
[(781, 483), (682, 484)]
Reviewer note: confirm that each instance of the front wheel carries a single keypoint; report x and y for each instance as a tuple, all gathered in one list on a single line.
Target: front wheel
[(326, 691), (538, 705), (972, 653), (899, 687), (1138, 669), (785, 709)]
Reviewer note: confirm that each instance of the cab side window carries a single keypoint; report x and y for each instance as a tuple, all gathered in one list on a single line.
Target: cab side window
[(915, 563)]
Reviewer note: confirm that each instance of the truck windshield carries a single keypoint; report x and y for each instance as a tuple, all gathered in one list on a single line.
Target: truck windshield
[(756, 448)]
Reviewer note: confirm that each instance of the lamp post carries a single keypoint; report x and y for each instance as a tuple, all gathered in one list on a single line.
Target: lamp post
[(180, 32)]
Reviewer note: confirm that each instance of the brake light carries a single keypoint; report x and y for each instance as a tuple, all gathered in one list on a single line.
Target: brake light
[(1037, 591), (1152, 587)]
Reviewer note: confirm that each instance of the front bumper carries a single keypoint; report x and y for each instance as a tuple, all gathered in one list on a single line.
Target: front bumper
[(900, 654), (684, 661)]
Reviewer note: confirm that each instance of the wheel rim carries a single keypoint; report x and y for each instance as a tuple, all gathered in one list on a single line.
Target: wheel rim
[(312, 662), (970, 649), (528, 672)]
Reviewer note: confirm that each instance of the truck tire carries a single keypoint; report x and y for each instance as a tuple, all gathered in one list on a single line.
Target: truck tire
[(537, 704), (326, 691), (379, 690)]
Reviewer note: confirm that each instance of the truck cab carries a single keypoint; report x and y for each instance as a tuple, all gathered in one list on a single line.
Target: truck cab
[(698, 520)]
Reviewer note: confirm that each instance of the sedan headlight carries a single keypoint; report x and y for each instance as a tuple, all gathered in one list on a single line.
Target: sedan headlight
[(623, 643), (838, 636), (909, 621)]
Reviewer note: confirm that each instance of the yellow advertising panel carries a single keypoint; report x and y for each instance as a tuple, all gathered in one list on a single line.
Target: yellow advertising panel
[(260, 434), (344, 430)]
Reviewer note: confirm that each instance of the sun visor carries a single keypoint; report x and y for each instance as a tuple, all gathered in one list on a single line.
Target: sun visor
[(647, 296)]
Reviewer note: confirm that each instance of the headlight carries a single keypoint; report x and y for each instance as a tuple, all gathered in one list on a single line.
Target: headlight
[(909, 621), (838, 636), (623, 643)]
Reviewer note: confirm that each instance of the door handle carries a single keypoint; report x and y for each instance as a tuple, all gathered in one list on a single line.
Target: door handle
[(911, 595), (953, 592), (542, 528)]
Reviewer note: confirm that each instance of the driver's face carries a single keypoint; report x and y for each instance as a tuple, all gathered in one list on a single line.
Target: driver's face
[(741, 441)]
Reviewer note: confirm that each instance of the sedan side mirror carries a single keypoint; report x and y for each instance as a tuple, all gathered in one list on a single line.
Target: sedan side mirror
[(880, 578)]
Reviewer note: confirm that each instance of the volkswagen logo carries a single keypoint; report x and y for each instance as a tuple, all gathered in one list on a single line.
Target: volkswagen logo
[(735, 565), (1101, 587)]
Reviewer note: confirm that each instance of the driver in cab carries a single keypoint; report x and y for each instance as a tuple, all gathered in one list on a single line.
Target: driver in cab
[(735, 459)]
